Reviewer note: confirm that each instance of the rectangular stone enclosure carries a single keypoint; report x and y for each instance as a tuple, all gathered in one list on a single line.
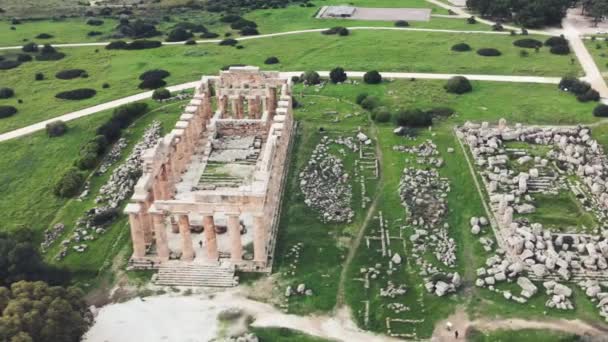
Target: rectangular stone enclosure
[(366, 13), (210, 189)]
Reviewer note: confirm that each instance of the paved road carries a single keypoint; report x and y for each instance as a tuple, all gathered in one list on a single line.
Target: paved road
[(278, 34), (355, 74)]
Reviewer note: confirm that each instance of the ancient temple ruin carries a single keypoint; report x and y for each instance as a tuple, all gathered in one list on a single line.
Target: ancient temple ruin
[(210, 190)]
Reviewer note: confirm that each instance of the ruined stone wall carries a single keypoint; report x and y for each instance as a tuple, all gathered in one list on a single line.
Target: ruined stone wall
[(242, 128)]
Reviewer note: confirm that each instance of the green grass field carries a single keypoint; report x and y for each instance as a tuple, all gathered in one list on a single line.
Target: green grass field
[(521, 335)]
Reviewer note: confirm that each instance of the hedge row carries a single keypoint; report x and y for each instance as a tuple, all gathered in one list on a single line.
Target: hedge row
[(582, 90), (76, 94), (134, 45)]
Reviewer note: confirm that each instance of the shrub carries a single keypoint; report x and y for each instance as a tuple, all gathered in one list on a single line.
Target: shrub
[(117, 45), (30, 47), (76, 94), (94, 22), (488, 52), (601, 111), (105, 85), (382, 116), (87, 161), (560, 50), (54, 56), (69, 184), (402, 23), (497, 27), (458, 85), (178, 35), (337, 75), (47, 49), (70, 74), (554, 41), (524, 53), (413, 118), (109, 130), (296, 79), (6, 93), (461, 47), (360, 98), (229, 42), (24, 57), (161, 94), (370, 102), (104, 217), (190, 42), (242, 23), (44, 36), (528, 43), (372, 77), (249, 31), (192, 27), (144, 44), (343, 31), (573, 85), (5, 65), (209, 35), (238, 47), (589, 95), (154, 73), (94, 33), (15, 21), (152, 83), (6, 111), (126, 114), (39, 76), (311, 78), (229, 18), (440, 112), (471, 20), (271, 60), (56, 128)]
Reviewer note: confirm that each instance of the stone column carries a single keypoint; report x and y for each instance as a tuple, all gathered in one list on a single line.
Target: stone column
[(259, 238), (272, 100), (137, 232), (174, 225), (223, 105), (162, 247), (207, 110), (234, 232), (184, 229), (239, 107), (210, 237)]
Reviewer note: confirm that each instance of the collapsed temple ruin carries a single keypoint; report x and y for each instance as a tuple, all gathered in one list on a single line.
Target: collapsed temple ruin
[(210, 190)]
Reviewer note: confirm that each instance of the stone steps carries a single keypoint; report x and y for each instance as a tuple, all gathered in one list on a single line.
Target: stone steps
[(190, 274)]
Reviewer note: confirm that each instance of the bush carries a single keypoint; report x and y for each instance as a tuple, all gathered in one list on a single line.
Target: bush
[(471, 20), (76, 94), (192, 27), (498, 27), (382, 116), (528, 43), (360, 98), (372, 77), (337, 75), (554, 41), (402, 23), (126, 114), (209, 35), (369, 103), (242, 23), (271, 60), (458, 85), (39, 76), (109, 130), (560, 50), (161, 94), (343, 31), (94, 33), (229, 18), (413, 118), (104, 217), (6, 111), (524, 53), (152, 83), (601, 111), (488, 52), (154, 74), (229, 42), (117, 45), (105, 85), (573, 85), (6, 93), (70, 74), (144, 44), (311, 78), (190, 42), (5, 65), (440, 112), (249, 31), (589, 95), (461, 47), (48, 49), (24, 57), (69, 184), (87, 161), (44, 36), (56, 128), (30, 47), (178, 35), (94, 22), (55, 56)]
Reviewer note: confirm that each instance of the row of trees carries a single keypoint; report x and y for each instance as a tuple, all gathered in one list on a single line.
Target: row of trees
[(528, 13), (596, 9)]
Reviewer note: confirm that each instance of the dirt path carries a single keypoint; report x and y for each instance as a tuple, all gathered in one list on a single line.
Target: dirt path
[(340, 304), (461, 322)]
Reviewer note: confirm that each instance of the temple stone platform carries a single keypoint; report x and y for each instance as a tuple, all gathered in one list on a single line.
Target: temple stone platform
[(208, 200)]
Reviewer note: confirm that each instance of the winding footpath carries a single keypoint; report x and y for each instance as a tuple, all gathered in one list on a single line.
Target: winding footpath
[(191, 85)]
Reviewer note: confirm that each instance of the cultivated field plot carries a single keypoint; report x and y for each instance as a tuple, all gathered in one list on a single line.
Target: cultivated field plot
[(546, 195)]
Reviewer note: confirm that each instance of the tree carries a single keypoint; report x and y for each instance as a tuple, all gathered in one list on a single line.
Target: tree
[(69, 184), (56, 128), (6, 93), (372, 77), (161, 94), (178, 35), (458, 85), (311, 78), (414, 118), (30, 47), (337, 75)]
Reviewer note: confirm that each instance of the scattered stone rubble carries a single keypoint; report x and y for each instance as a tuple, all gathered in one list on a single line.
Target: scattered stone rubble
[(118, 187), (325, 184), (572, 161), (50, 235), (112, 156)]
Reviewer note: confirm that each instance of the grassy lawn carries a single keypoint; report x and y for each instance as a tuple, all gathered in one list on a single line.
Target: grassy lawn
[(562, 213), (283, 335), (72, 30), (599, 50), (391, 51), (520, 335)]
